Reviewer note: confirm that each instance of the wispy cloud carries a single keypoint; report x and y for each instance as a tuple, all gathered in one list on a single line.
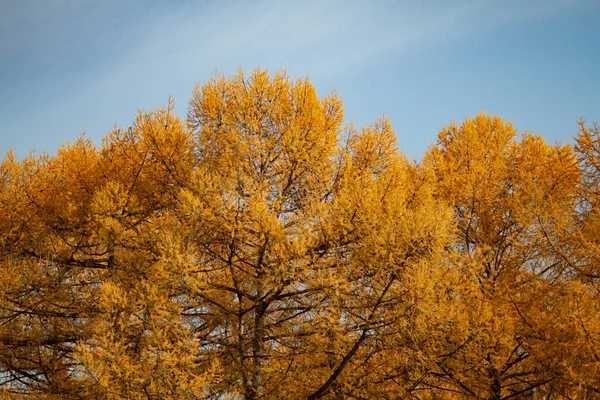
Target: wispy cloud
[(100, 60), (324, 38)]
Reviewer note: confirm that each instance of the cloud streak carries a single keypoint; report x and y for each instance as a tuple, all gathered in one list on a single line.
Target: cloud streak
[(100, 75)]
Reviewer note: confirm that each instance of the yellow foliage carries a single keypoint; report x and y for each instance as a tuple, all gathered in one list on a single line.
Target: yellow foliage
[(260, 249)]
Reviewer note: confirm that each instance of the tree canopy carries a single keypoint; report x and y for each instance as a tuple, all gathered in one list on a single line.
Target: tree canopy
[(261, 249)]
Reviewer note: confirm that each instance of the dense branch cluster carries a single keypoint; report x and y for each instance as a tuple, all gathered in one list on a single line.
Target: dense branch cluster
[(262, 250)]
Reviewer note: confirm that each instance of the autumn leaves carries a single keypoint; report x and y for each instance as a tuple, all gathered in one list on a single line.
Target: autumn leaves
[(262, 250), (516, 213)]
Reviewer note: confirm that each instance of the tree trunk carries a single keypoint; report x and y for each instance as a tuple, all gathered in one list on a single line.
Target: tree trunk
[(495, 386)]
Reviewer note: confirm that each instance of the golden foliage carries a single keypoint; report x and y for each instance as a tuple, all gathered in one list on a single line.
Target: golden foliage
[(262, 250)]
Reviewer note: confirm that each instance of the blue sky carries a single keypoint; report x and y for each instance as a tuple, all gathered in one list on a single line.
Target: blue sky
[(68, 66)]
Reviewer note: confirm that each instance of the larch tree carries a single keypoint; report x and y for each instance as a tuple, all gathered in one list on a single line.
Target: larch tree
[(89, 302), (47, 296), (139, 345), (258, 251), (588, 151), (306, 249), (513, 202)]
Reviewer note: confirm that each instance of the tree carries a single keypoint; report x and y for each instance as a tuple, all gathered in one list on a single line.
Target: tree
[(513, 202), (588, 151), (87, 305), (260, 249), (252, 253), (305, 246)]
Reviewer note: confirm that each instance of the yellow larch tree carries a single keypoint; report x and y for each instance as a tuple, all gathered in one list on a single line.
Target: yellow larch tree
[(46, 293), (588, 151), (513, 202), (139, 345), (260, 251), (306, 249), (87, 304)]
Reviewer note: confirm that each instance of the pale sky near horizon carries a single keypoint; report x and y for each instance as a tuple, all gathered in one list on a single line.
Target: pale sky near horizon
[(69, 66)]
